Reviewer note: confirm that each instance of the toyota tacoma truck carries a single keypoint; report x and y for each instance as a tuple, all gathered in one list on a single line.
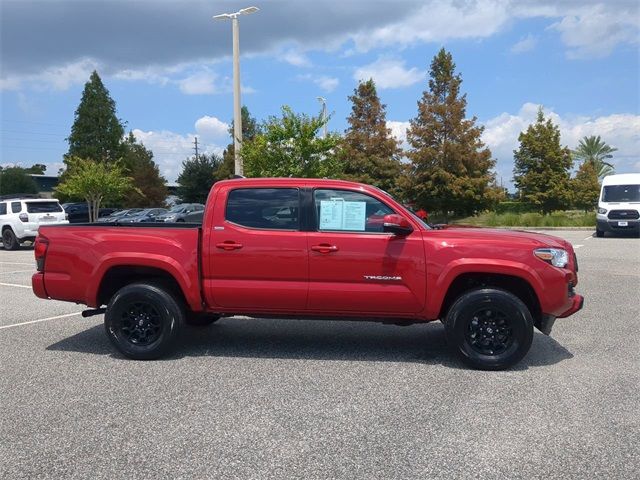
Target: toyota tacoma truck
[(310, 248)]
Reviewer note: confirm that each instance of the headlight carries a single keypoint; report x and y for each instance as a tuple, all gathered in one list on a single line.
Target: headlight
[(602, 211), (554, 256)]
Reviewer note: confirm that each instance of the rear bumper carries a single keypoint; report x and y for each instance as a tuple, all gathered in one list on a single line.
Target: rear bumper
[(37, 284)]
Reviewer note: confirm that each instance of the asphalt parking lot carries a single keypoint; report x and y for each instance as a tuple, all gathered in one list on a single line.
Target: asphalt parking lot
[(279, 399)]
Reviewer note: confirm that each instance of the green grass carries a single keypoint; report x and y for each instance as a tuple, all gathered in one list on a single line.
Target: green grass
[(571, 218)]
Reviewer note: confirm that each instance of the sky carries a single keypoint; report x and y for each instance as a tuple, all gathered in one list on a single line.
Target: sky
[(167, 65)]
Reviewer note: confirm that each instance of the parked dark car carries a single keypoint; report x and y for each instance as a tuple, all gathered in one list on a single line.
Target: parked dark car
[(146, 215), (79, 212), (120, 214), (182, 213)]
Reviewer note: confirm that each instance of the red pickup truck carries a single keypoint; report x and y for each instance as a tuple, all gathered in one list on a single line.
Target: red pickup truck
[(311, 248)]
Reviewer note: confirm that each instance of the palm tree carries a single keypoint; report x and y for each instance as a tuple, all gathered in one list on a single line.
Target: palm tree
[(593, 150)]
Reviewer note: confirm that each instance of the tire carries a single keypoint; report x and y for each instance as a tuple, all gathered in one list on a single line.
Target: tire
[(489, 329), (201, 319), (143, 321), (599, 233), (9, 240)]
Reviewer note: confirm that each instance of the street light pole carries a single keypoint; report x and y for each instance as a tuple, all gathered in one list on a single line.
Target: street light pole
[(323, 101), (237, 112)]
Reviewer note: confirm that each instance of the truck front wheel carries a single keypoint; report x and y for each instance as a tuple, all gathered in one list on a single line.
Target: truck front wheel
[(489, 329), (143, 320)]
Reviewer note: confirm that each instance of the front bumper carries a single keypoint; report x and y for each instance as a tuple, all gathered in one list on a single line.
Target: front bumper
[(545, 323), (607, 225)]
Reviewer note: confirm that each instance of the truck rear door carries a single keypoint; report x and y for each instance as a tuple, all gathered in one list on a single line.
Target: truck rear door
[(258, 258)]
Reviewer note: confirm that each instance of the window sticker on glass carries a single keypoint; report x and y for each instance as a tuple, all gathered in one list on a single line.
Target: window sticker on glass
[(336, 214)]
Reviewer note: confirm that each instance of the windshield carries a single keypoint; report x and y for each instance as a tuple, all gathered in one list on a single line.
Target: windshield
[(621, 193)]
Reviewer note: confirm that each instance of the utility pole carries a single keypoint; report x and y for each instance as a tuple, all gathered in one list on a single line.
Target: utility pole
[(195, 142)]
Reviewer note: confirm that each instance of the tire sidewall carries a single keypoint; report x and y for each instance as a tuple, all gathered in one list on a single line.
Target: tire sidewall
[(9, 240), (461, 313), (168, 308)]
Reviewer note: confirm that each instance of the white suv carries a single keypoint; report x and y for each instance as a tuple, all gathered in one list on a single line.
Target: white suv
[(20, 218)]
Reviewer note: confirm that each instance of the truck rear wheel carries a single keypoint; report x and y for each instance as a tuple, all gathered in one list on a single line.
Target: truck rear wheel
[(489, 329), (9, 240), (143, 320)]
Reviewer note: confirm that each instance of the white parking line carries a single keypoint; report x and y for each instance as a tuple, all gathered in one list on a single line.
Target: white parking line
[(589, 237), (578, 246), (18, 271), (41, 320), (15, 285), (15, 263)]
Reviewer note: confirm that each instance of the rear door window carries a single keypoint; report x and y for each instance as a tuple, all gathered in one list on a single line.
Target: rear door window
[(43, 207), (16, 207), (264, 208), (3, 208)]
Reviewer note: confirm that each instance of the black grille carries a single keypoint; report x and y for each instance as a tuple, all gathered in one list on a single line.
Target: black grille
[(623, 215)]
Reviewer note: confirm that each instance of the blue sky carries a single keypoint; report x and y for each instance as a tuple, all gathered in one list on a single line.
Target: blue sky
[(167, 65)]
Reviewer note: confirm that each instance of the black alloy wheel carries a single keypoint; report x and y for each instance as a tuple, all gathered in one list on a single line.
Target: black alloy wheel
[(9, 240), (489, 328), (143, 320)]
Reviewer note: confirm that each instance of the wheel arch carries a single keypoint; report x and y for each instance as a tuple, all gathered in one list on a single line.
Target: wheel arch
[(516, 285), (119, 276)]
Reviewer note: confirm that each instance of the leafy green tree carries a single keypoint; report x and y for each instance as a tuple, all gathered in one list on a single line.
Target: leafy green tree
[(16, 180), (594, 150), (36, 169), (585, 187), (96, 132), (289, 146), (450, 167), (197, 176), (250, 129), (541, 171), (95, 182), (150, 189), (369, 153)]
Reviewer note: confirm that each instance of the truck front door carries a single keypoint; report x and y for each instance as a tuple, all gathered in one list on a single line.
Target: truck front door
[(354, 266)]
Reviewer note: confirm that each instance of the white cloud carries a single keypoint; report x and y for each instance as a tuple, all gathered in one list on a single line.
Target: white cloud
[(170, 149), (399, 132), (295, 58), (201, 83), (54, 78), (211, 128), (618, 130), (437, 21), (328, 84), (525, 44), (596, 30), (389, 73)]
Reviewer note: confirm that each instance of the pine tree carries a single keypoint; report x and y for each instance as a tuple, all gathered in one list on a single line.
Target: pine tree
[(585, 187), (541, 171), (369, 153), (96, 132), (450, 169), (150, 189)]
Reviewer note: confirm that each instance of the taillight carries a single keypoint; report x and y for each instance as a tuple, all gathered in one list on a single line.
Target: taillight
[(40, 251), (23, 217)]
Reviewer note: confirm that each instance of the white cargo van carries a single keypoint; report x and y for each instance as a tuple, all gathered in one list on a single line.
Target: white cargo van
[(619, 204)]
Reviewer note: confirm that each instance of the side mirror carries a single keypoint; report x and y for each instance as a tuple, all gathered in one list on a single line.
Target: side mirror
[(397, 225)]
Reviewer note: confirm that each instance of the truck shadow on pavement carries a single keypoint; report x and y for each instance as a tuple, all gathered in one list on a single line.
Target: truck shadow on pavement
[(315, 340)]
